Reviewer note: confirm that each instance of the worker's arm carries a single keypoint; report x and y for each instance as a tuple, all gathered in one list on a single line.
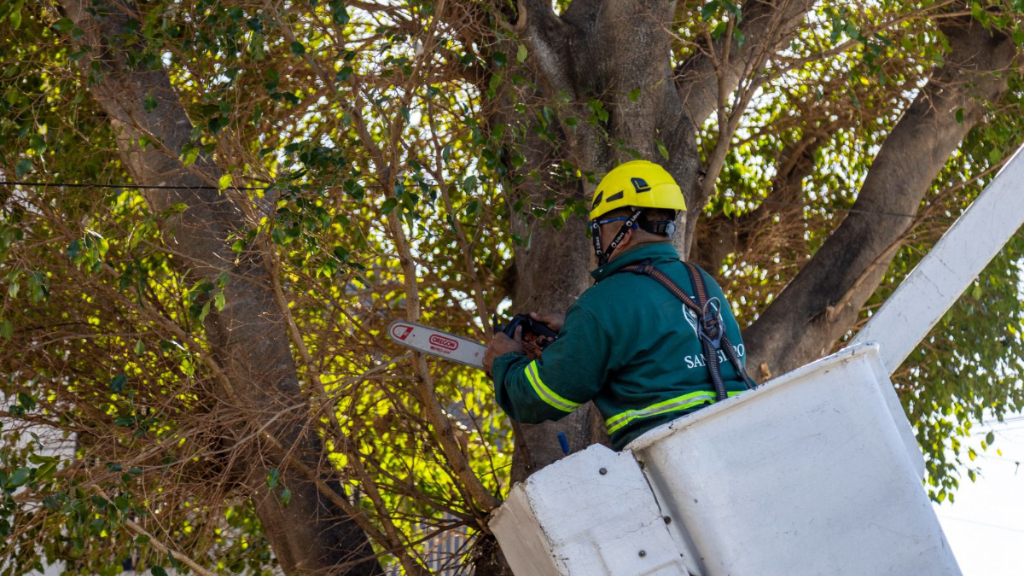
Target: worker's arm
[(570, 372)]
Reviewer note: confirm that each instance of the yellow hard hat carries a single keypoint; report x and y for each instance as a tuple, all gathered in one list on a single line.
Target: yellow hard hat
[(640, 184)]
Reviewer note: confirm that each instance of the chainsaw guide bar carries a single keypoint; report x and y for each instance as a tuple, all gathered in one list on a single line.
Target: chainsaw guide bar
[(437, 343)]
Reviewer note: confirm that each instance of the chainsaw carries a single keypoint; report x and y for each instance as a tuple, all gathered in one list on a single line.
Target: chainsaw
[(536, 336)]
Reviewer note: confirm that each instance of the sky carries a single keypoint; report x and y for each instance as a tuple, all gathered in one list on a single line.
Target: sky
[(985, 524)]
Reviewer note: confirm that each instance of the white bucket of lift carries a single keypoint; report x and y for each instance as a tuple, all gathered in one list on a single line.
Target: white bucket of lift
[(817, 472), (591, 514)]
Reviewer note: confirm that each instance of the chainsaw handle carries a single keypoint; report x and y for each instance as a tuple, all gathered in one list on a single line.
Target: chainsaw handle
[(510, 328), (540, 328), (532, 329)]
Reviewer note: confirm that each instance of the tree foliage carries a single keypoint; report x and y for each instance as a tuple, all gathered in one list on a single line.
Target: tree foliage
[(417, 160)]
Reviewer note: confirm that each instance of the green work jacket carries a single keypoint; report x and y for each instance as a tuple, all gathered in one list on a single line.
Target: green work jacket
[(627, 344)]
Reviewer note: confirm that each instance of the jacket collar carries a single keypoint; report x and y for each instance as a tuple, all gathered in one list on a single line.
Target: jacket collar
[(657, 252)]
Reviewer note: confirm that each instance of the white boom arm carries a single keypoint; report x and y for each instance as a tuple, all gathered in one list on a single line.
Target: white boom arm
[(943, 275)]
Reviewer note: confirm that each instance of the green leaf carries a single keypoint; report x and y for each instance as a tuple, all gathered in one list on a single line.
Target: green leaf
[(597, 107), (124, 421), (6, 329), (661, 149), (46, 471), (738, 36), (634, 94), (37, 143), (24, 167), (709, 10), (521, 54), (149, 103), (190, 155), (15, 19), (118, 383), (1018, 37), (339, 12), (990, 438), (286, 497), (298, 49), (960, 115), (29, 403), (64, 25), (273, 476), (158, 571), (224, 182), (995, 155), (20, 476), (218, 301), (389, 205), (344, 73), (204, 312)]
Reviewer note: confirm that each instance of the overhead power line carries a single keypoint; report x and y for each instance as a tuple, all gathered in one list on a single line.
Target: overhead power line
[(119, 186), (169, 187), (986, 524)]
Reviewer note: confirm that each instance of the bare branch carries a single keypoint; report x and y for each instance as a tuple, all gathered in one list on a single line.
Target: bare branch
[(766, 27)]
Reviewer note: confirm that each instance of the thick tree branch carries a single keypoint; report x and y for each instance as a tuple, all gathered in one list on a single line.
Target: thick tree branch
[(825, 298), (547, 37)]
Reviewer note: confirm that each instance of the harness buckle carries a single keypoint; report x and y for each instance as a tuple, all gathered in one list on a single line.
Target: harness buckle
[(711, 321)]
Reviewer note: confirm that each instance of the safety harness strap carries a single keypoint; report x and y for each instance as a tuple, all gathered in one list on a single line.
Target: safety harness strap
[(711, 330)]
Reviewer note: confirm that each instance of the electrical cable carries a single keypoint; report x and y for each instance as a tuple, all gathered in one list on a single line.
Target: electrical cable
[(997, 526), (169, 187), (115, 186)]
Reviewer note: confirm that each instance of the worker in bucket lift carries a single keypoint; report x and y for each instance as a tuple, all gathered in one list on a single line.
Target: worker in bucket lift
[(652, 340)]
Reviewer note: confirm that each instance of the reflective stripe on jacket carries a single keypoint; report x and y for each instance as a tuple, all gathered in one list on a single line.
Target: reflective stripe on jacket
[(628, 345)]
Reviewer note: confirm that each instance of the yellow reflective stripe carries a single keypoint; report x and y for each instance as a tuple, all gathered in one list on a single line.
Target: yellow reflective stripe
[(547, 394), (661, 404), (683, 402)]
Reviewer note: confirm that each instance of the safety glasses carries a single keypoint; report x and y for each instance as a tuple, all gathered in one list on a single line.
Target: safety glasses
[(603, 222)]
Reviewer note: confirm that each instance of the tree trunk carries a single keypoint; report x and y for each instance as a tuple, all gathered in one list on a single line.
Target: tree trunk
[(248, 337), (603, 50), (824, 300)]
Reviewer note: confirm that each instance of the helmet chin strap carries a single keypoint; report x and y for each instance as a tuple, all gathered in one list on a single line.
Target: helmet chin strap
[(595, 234)]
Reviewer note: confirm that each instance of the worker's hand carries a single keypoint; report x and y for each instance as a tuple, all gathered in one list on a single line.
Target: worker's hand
[(501, 345), (553, 321)]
